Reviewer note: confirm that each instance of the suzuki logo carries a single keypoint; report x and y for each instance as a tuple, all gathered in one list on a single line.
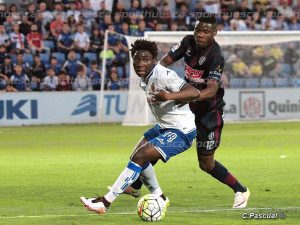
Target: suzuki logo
[(11, 110), (87, 103)]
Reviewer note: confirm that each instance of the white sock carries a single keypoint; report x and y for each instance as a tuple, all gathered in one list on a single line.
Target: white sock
[(126, 178), (148, 178)]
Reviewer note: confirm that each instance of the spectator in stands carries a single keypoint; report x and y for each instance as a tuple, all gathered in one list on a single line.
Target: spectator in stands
[(125, 29), (114, 81), (291, 57), (51, 81), (82, 82), (19, 79), (165, 16), (20, 61), (88, 14), (7, 68), (38, 73), (267, 22), (95, 76), (269, 64), (8, 24), (4, 38), (281, 23), (236, 23), (25, 25), (103, 25), (45, 18), (256, 69), (226, 5), (294, 23), (150, 14), (119, 7), (65, 41), (59, 10), (2, 12), (35, 41), (285, 10), (183, 18), (141, 29), (243, 10), (213, 6), (3, 53), (296, 9), (71, 65), (14, 12), (197, 11), (102, 11), (81, 40), (64, 81), (73, 11), (31, 13), (96, 40), (54, 65), (56, 26), (18, 40), (276, 52), (173, 26), (240, 69)]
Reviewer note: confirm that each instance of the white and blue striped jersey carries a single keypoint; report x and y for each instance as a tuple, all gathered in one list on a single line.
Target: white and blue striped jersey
[(167, 113)]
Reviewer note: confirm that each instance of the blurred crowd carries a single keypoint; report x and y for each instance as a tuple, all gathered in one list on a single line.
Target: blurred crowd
[(48, 45)]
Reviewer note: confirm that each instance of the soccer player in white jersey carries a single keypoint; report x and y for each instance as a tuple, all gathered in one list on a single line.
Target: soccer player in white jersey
[(173, 134)]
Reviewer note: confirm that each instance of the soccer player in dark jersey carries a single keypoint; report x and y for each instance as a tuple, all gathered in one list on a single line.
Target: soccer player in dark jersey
[(204, 64)]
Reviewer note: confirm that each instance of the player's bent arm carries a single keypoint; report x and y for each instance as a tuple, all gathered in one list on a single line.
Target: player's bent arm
[(186, 94), (210, 91), (166, 61)]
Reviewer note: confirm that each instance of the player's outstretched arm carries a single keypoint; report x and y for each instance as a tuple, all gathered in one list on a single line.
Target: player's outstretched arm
[(186, 94)]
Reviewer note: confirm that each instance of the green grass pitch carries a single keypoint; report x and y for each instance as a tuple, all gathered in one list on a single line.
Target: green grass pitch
[(45, 169)]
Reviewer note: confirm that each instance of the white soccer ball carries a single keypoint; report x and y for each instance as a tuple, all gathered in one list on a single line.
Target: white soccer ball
[(151, 208)]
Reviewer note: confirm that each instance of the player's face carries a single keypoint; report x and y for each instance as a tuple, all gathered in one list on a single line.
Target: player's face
[(204, 34), (143, 63)]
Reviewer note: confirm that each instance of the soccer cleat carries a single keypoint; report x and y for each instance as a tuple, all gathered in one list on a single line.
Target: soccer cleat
[(130, 191), (167, 204), (241, 199), (94, 204)]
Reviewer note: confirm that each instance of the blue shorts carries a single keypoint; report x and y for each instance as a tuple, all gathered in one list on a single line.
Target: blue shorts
[(169, 142)]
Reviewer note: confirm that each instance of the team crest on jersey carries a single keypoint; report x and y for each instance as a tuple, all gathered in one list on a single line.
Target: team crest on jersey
[(175, 47), (188, 52), (211, 136), (202, 60)]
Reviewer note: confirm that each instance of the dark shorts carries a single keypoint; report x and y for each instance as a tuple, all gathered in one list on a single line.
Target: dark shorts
[(209, 129)]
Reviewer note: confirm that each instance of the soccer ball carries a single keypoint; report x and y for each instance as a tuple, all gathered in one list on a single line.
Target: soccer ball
[(151, 208)]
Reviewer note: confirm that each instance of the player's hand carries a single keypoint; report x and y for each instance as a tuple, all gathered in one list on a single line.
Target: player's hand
[(162, 96)]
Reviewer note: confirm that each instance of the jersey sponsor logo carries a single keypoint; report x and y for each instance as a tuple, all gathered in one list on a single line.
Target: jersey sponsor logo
[(202, 60), (211, 136), (188, 52), (193, 74), (175, 47)]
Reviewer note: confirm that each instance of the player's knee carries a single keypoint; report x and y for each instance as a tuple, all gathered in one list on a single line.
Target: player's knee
[(206, 166)]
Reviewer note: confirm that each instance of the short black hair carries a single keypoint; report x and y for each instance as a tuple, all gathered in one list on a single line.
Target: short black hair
[(143, 44), (207, 18)]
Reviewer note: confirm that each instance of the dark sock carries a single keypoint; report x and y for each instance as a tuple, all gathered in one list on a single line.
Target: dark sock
[(105, 202), (221, 174), (137, 184)]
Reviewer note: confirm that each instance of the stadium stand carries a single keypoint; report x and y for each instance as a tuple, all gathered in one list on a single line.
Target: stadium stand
[(182, 17)]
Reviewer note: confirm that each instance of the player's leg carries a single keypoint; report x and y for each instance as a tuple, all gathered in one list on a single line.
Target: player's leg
[(209, 132), (140, 158), (135, 189)]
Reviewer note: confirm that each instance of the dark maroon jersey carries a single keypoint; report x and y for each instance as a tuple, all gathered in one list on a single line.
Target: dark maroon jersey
[(200, 66)]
